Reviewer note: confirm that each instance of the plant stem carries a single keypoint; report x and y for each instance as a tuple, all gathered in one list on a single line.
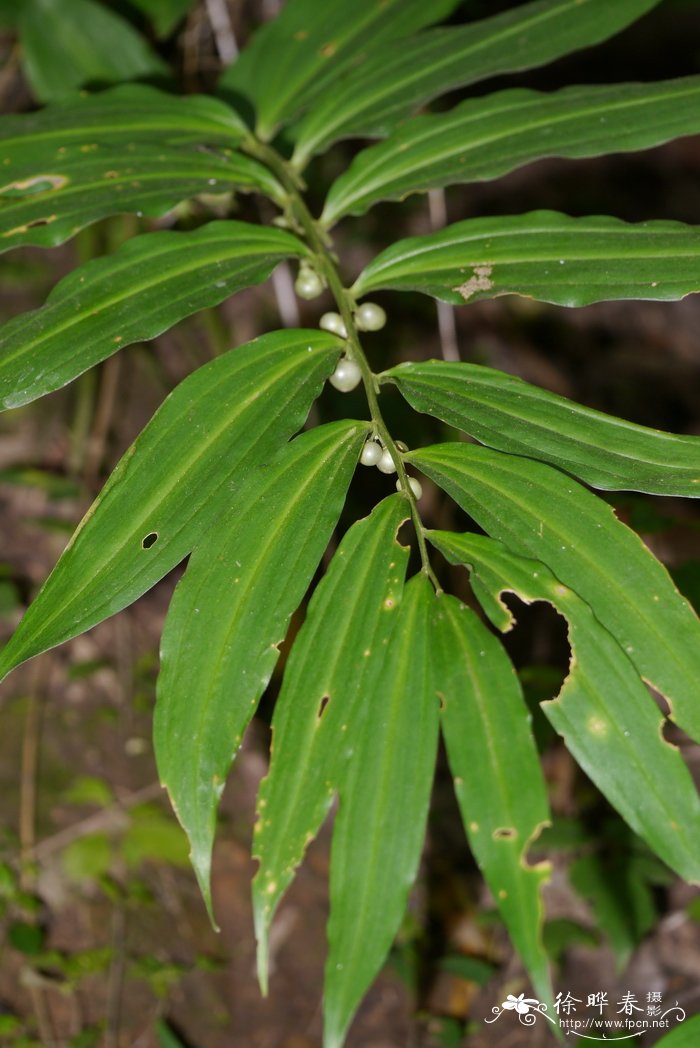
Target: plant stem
[(319, 243)]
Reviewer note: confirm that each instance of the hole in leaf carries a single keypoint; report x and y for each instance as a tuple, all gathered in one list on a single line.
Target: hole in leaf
[(504, 833), (149, 540), (322, 706)]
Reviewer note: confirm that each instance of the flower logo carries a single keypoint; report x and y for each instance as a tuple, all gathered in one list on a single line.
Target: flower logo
[(520, 1004)]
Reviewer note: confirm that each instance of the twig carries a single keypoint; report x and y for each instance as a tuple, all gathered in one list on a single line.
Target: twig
[(445, 313), (283, 286), (115, 982), (102, 420), (101, 820), (222, 28)]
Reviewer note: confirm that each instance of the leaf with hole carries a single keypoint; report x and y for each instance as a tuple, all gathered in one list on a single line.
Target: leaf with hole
[(230, 614), (129, 149), (175, 481), (605, 714), (486, 726), (511, 415), (402, 75), (323, 705), (484, 138), (134, 294), (538, 512)]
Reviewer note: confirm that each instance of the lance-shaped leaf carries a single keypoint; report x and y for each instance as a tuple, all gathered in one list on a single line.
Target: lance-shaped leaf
[(397, 79), (63, 194), (230, 613), (605, 714), (541, 513), (163, 14), (145, 287), (486, 137), (130, 113), (67, 45), (506, 413), (684, 1035), (378, 833), (543, 255), (175, 481), (496, 771), (295, 58), (328, 690)]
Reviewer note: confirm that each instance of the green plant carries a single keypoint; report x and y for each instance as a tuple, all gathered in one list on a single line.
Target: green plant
[(380, 664)]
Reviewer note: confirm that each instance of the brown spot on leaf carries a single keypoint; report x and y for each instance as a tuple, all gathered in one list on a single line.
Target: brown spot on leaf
[(329, 49), (35, 184), (480, 280)]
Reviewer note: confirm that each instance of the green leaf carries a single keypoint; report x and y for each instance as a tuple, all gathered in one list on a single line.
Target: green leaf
[(328, 681), (230, 613), (145, 287), (166, 1037), (128, 149), (164, 15), (541, 513), (685, 1036), (543, 255), (609, 721), (129, 114), (403, 75), (175, 481), (497, 774), (484, 138), (511, 415), (68, 45), (294, 59), (147, 180), (621, 899), (380, 826)]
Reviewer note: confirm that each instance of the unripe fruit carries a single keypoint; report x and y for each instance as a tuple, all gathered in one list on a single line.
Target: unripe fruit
[(371, 453), (386, 463), (415, 486), (308, 284), (346, 376), (370, 317), (334, 323)]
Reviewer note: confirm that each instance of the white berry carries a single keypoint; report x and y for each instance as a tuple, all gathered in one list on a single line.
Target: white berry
[(386, 463), (346, 376), (371, 453), (308, 284), (415, 486), (334, 323), (370, 317)]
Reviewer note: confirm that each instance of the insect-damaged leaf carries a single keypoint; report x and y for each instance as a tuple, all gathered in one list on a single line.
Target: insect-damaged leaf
[(541, 513), (146, 286), (294, 59), (128, 149), (496, 771), (323, 704), (230, 613), (174, 482), (506, 413), (604, 712), (543, 255), (484, 138), (395, 80)]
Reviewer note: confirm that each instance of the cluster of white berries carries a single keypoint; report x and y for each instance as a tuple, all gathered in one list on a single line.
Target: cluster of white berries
[(368, 317), (373, 454)]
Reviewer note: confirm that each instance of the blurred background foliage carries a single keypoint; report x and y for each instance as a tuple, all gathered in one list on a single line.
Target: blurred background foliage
[(105, 936)]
